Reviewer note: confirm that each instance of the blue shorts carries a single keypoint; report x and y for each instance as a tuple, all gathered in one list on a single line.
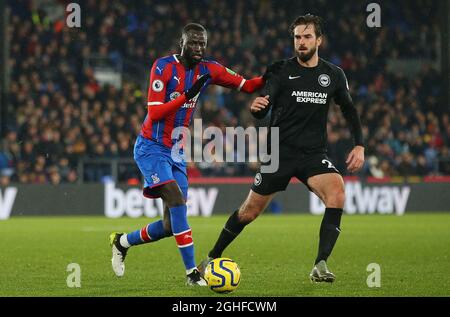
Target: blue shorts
[(158, 167)]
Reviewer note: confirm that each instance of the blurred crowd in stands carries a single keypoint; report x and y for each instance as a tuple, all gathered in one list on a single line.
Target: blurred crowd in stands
[(61, 116)]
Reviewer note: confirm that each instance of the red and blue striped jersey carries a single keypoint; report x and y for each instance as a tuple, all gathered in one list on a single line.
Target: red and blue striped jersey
[(168, 80)]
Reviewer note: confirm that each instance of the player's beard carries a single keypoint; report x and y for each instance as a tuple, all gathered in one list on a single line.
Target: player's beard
[(306, 56), (197, 59)]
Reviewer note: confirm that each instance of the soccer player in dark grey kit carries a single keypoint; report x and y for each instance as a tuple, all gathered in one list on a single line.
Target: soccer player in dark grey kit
[(299, 95)]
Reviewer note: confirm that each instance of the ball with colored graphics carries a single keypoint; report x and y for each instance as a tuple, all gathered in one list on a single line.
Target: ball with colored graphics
[(223, 275)]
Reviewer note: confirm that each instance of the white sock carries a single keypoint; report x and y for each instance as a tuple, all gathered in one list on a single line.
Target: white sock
[(190, 270), (124, 241)]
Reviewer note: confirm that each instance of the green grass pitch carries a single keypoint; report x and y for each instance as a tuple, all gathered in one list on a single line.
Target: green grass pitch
[(275, 255)]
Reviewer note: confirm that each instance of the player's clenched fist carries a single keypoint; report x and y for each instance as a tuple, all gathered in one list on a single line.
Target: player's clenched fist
[(259, 103)]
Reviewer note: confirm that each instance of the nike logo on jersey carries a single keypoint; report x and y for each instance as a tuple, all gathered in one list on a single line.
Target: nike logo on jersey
[(294, 77)]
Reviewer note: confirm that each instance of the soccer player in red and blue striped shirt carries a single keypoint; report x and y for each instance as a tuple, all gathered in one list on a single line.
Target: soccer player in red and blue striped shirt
[(176, 82)]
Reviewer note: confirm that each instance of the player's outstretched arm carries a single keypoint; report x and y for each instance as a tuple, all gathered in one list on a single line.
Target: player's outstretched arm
[(225, 77), (252, 85), (255, 84)]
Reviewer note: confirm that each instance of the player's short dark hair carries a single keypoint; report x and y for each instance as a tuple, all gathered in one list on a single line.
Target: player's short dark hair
[(308, 19), (193, 27)]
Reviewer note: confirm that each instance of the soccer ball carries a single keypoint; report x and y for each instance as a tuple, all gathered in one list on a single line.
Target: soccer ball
[(223, 275)]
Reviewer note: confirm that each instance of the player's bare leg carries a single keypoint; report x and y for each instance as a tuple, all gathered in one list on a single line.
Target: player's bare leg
[(330, 189), (252, 207), (166, 219)]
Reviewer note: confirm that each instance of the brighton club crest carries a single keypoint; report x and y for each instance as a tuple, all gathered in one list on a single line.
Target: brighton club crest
[(324, 80)]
